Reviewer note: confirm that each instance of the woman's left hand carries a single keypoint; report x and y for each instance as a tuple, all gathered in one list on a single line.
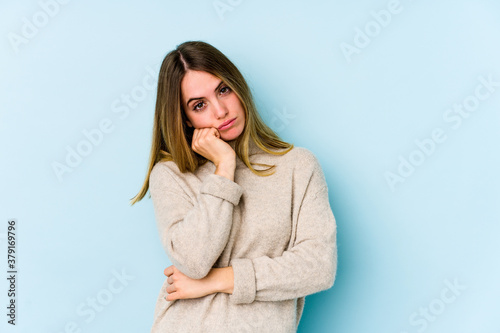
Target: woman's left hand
[(181, 286)]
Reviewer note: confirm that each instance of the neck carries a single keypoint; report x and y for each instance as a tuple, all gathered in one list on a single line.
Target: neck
[(232, 143), (252, 147)]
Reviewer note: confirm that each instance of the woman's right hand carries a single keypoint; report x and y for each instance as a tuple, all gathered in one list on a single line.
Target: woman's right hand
[(207, 142)]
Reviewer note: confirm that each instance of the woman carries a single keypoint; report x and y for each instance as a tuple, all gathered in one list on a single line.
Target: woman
[(247, 244)]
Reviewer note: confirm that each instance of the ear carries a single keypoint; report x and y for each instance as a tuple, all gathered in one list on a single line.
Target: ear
[(189, 123)]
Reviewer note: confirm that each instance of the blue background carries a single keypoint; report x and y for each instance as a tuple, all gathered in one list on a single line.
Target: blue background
[(361, 113)]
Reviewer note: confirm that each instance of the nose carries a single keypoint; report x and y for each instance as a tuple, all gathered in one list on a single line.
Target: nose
[(219, 110)]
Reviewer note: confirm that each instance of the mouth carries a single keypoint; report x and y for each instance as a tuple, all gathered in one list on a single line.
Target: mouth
[(227, 124)]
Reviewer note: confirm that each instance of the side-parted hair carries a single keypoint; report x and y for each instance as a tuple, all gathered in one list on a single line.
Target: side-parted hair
[(172, 137)]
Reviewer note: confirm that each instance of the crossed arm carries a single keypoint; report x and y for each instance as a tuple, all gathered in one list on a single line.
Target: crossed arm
[(181, 286), (181, 220)]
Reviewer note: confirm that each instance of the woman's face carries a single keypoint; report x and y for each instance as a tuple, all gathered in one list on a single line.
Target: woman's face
[(208, 102)]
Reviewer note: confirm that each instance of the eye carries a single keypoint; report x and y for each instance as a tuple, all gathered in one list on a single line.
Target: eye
[(195, 107), (227, 90)]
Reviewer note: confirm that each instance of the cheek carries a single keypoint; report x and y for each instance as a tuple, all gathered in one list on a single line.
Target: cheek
[(200, 120), (237, 105)]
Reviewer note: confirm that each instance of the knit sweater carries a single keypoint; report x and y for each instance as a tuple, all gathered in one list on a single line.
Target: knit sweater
[(277, 232)]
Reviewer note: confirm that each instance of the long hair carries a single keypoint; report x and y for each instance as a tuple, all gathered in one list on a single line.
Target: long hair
[(172, 137)]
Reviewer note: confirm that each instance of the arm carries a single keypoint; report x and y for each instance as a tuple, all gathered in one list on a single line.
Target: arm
[(180, 286), (309, 266), (222, 280), (193, 234)]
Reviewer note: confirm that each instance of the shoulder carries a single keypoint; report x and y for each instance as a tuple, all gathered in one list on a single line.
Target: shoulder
[(308, 171), (303, 157), (164, 171), (302, 152), (307, 167), (162, 168)]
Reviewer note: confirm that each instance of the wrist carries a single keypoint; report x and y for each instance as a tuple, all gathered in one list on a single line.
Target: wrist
[(226, 169), (222, 279), (228, 163)]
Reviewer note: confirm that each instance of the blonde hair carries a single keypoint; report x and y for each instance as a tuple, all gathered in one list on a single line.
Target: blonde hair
[(172, 137)]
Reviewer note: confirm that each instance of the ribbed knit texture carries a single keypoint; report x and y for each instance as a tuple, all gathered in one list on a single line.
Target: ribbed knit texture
[(277, 232)]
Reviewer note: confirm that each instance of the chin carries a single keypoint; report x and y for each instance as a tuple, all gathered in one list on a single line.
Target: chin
[(230, 137)]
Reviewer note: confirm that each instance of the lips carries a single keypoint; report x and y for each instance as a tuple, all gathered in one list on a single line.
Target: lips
[(229, 122)]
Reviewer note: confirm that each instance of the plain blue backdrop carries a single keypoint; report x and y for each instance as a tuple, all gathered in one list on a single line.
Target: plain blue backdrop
[(399, 100)]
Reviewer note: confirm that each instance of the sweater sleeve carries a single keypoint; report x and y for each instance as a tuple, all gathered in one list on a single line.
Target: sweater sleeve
[(309, 266), (193, 232)]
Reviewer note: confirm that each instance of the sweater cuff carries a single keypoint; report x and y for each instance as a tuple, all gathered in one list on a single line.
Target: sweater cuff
[(222, 187), (244, 281)]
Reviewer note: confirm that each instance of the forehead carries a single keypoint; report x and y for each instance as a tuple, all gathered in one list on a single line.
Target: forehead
[(198, 84)]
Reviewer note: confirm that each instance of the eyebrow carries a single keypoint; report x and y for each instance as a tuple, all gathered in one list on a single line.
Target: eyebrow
[(195, 98)]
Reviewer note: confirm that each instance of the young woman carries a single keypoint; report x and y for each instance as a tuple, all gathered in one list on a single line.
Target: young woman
[(243, 216)]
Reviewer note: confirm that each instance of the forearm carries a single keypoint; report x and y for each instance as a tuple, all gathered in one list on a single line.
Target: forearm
[(221, 280), (226, 169), (193, 230)]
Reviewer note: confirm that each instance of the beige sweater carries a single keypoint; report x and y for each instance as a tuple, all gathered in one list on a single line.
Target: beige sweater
[(277, 232)]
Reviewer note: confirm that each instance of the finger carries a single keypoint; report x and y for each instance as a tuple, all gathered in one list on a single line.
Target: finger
[(209, 133), (194, 140), (170, 289), (169, 270), (172, 296), (196, 134), (202, 132)]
